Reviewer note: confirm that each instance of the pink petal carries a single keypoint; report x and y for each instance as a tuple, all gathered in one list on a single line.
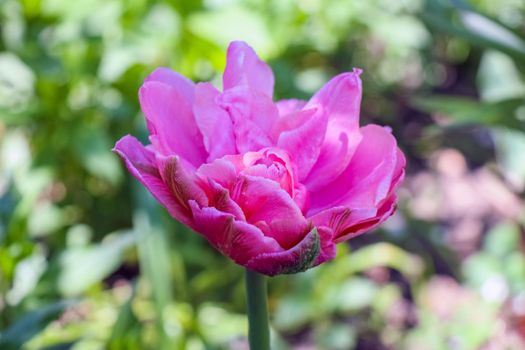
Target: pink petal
[(296, 259), (253, 115), (339, 219), (141, 163), (236, 239), (341, 100), (213, 122), (181, 181), (270, 208), (286, 107), (399, 171), (184, 86), (386, 209), (301, 135), (270, 163), (171, 122), (369, 196), (301, 197), (219, 198), (244, 68), (223, 171), (368, 177), (328, 246)]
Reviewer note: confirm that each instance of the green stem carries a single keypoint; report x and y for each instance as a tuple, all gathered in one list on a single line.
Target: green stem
[(258, 329)]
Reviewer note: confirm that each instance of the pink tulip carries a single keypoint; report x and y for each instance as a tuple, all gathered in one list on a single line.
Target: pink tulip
[(273, 186)]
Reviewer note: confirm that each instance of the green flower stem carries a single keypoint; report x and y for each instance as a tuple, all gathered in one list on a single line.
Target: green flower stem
[(258, 329)]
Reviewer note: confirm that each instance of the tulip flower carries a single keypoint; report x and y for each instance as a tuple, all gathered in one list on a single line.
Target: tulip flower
[(274, 186)]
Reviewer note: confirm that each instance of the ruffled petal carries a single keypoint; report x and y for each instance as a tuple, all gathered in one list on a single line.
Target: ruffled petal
[(184, 86), (286, 107), (141, 163), (270, 208), (213, 122), (386, 209), (296, 259), (399, 170), (301, 135), (253, 115), (182, 183), (270, 163), (170, 121), (341, 219), (341, 101), (364, 195), (361, 221), (236, 239), (223, 171), (219, 198), (368, 178), (328, 247), (244, 68)]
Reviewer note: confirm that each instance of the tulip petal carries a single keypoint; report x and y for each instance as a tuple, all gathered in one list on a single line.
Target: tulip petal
[(349, 224), (296, 259), (141, 163), (220, 199), (286, 107), (341, 219), (368, 177), (399, 170), (253, 115), (236, 239), (223, 171), (270, 208), (184, 86), (386, 209), (328, 247), (244, 68), (171, 122), (213, 122), (341, 100), (301, 135), (180, 181)]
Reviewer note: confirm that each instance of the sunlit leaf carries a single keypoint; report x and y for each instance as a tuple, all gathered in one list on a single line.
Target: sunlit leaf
[(81, 267)]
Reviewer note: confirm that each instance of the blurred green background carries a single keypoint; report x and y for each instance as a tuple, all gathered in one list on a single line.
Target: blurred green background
[(88, 260)]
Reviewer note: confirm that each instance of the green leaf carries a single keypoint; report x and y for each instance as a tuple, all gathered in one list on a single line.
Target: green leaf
[(81, 267), (62, 346), (502, 240), (383, 254), (153, 247), (352, 295), (464, 110), (29, 325), (498, 77), (94, 150), (230, 23), (338, 336), (473, 27), (510, 147), (125, 333), (481, 267)]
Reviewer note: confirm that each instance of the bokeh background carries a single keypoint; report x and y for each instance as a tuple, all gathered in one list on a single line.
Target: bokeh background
[(88, 260)]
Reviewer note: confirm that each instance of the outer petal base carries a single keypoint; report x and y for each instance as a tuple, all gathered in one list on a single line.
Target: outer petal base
[(297, 259)]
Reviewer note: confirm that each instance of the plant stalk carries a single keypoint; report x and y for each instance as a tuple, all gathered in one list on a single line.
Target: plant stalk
[(258, 328)]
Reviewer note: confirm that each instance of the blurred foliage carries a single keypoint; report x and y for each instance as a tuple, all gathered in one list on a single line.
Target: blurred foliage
[(88, 260)]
